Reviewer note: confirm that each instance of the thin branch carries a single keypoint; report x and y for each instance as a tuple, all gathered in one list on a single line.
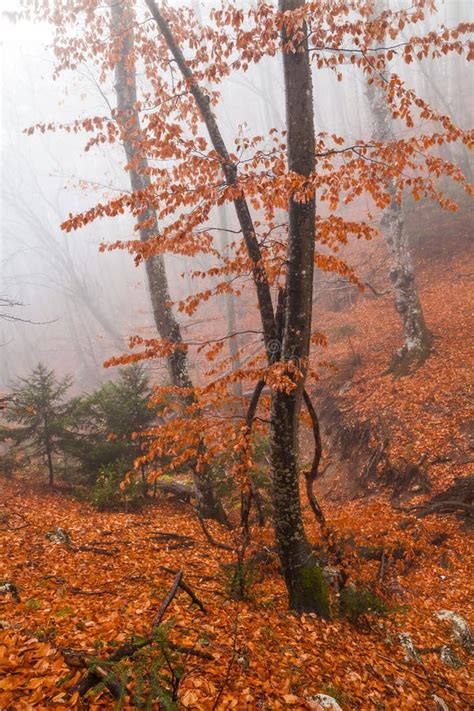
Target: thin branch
[(312, 474)]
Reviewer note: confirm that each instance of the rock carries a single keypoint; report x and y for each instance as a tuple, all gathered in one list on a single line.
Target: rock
[(440, 705), (59, 536), (461, 630), (449, 657), (345, 388), (332, 576), (8, 587), (409, 647), (323, 701)]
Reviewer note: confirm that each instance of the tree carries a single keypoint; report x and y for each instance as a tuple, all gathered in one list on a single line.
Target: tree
[(417, 338), (41, 414), (132, 136), (107, 425), (193, 171)]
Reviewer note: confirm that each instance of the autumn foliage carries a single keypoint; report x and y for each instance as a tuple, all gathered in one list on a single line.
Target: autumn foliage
[(194, 172)]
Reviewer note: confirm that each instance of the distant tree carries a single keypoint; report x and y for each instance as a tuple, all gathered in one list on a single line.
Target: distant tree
[(107, 424), (40, 413), (417, 339)]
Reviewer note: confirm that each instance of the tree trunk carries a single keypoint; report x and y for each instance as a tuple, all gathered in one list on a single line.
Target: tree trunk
[(166, 323), (304, 580), (417, 338), (49, 459), (230, 307)]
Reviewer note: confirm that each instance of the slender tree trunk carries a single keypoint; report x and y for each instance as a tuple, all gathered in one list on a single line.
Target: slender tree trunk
[(166, 323), (304, 580), (229, 304), (49, 459), (417, 338), (244, 217)]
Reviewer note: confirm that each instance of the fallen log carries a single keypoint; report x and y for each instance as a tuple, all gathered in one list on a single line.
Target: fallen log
[(183, 492)]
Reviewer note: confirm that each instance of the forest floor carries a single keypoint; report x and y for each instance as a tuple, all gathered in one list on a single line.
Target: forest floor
[(263, 656)]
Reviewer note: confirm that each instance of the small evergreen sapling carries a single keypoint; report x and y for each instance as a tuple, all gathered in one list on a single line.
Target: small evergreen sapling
[(40, 413)]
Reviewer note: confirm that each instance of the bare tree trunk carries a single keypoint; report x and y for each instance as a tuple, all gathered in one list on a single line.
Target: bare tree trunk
[(229, 301), (49, 457), (304, 580), (50, 468), (417, 338), (166, 323)]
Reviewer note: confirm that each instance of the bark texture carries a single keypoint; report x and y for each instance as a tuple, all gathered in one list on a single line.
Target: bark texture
[(166, 323), (417, 338)]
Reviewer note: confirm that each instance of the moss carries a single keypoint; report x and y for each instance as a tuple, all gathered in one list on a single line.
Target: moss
[(355, 603), (309, 593)]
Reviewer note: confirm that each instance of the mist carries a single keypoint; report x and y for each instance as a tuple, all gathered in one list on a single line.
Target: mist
[(76, 306)]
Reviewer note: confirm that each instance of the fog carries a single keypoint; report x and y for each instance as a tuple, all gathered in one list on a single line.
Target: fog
[(74, 306)]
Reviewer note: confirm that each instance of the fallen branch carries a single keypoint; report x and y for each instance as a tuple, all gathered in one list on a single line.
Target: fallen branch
[(167, 602), (165, 536), (78, 591), (181, 491), (212, 541), (446, 507), (175, 546), (458, 497), (93, 549), (95, 675)]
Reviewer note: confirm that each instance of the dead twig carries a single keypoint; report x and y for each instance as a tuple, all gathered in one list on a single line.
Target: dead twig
[(167, 602), (12, 514), (78, 591), (93, 549)]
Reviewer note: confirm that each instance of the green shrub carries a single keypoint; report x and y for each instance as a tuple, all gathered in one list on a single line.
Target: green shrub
[(155, 669), (107, 424), (354, 603), (107, 494)]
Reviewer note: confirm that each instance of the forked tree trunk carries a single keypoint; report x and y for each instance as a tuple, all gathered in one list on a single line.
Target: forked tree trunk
[(417, 338), (304, 580), (166, 323), (306, 587)]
